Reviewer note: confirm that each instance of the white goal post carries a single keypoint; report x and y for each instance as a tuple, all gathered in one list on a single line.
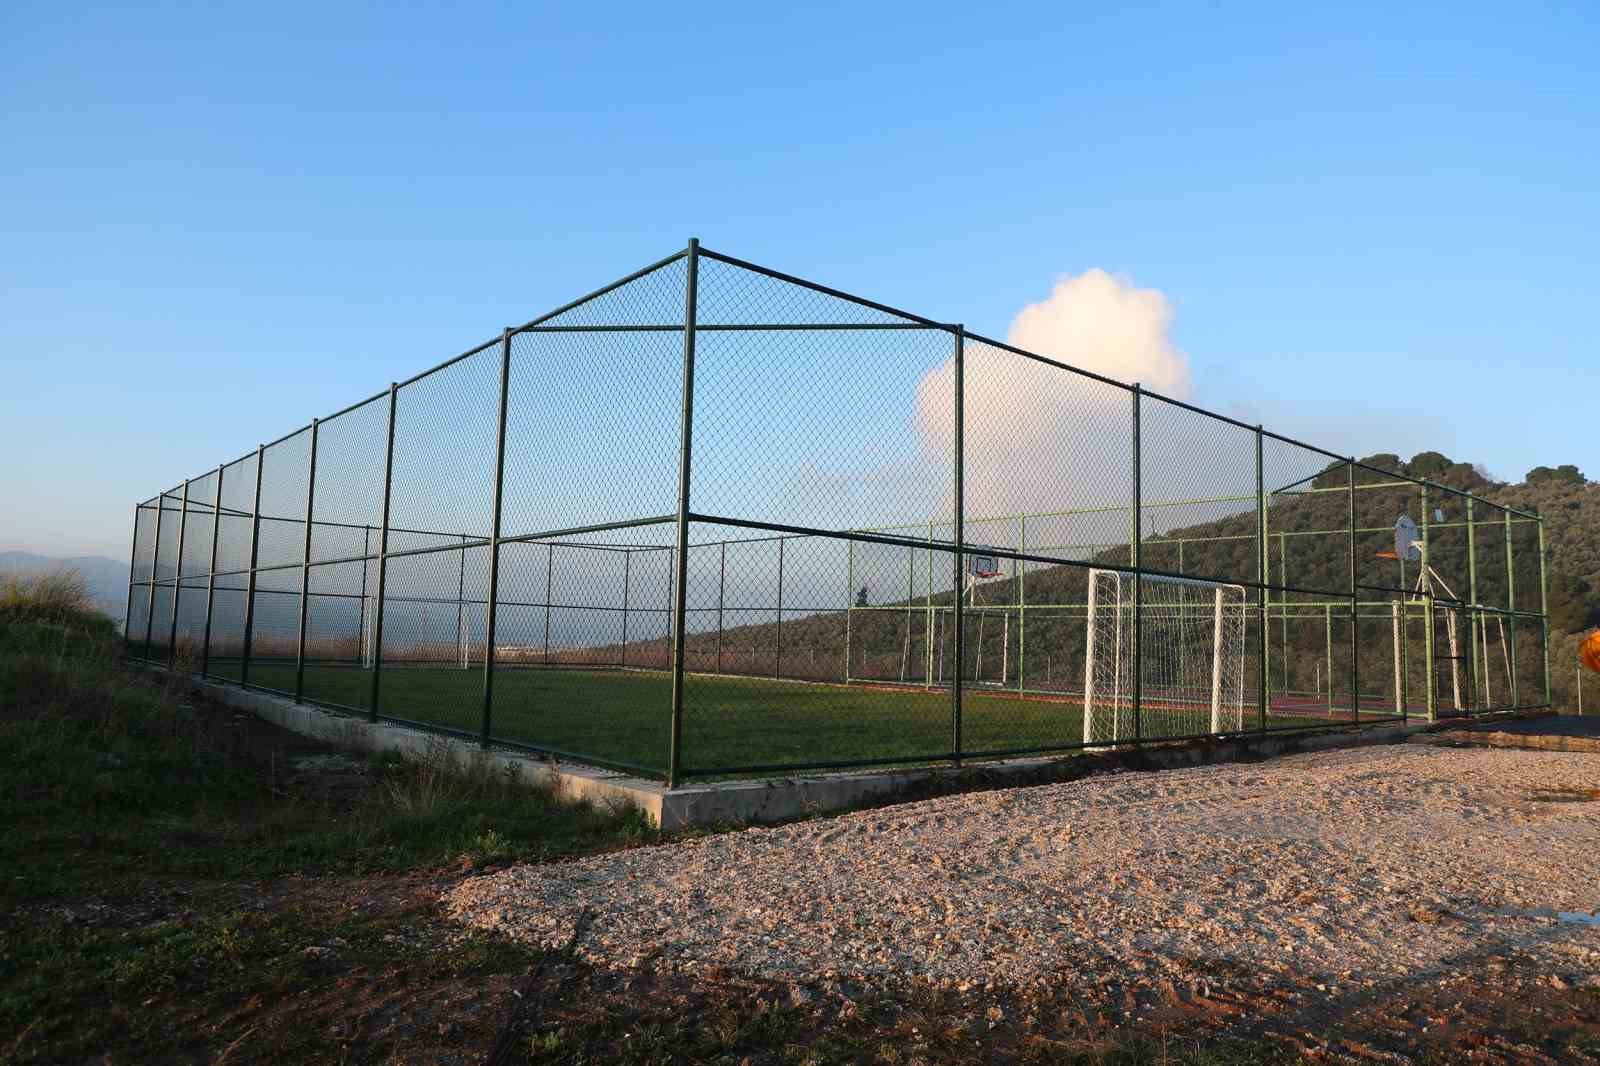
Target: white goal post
[(369, 625), (1191, 669)]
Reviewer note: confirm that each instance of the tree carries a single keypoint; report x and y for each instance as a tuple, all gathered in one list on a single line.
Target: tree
[(1429, 464), (1386, 461), (1574, 605), (1566, 473)]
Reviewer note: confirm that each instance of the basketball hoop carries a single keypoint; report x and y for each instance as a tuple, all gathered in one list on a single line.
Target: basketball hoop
[(1407, 544), (985, 566), (1391, 555)]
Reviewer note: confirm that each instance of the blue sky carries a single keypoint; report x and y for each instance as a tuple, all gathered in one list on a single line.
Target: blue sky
[(1375, 225)]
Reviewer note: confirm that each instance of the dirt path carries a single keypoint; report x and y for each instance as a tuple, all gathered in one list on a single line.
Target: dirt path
[(1351, 867)]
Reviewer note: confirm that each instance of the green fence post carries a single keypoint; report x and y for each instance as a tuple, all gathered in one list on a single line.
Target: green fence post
[(250, 583), (211, 575), (680, 590), (1355, 607), (1137, 552), (489, 610), (1261, 582), (366, 556), (959, 561), (381, 577), (1511, 618), (1425, 579), (1475, 631), (177, 579), (305, 570), (1544, 613), (155, 565)]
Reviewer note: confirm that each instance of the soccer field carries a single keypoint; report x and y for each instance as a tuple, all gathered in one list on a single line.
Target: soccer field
[(621, 716)]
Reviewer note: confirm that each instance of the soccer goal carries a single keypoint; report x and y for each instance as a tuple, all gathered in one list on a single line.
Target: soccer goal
[(989, 636), (1191, 657)]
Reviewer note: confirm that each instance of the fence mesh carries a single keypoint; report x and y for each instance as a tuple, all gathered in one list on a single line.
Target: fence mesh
[(896, 545)]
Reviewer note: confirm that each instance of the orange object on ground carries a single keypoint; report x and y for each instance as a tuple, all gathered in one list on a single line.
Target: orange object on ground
[(1589, 651)]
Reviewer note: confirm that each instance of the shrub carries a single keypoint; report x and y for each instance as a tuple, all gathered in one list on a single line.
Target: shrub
[(59, 596)]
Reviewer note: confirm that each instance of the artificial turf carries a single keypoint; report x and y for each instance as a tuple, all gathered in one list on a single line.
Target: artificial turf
[(622, 716)]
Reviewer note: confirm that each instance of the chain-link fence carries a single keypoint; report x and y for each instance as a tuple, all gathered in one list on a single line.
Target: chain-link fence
[(714, 520)]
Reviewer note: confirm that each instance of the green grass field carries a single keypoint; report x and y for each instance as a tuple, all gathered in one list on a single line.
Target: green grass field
[(622, 716)]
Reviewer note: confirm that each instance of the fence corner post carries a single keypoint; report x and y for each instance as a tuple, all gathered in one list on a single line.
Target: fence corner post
[(305, 568), (958, 617), (177, 579), (1261, 581), (1544, 613), (489, 610), (680, 600), (1355, 607), (211, 570), (250, 582), (1136, 559), (375, 640)]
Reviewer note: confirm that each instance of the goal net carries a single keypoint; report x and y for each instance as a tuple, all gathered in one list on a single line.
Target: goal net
[(990, 639), (1191, 661)]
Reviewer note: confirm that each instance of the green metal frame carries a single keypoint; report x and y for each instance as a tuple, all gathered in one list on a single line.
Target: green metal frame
[(1274, 592)]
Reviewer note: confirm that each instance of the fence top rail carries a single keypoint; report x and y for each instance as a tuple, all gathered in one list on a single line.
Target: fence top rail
[(838, 294), (981, 339), (906, 317)]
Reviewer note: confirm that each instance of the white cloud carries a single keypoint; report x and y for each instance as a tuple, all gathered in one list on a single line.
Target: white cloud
[(1097, 321), (1039, 438)]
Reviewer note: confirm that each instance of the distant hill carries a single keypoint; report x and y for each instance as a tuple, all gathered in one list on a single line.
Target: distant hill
[(1569, 503), (107, 578)]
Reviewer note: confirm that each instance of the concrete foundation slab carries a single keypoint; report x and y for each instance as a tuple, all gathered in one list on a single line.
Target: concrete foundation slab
[(783, 798)]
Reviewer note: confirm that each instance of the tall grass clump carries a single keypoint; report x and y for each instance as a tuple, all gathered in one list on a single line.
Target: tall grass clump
[(58, 596)]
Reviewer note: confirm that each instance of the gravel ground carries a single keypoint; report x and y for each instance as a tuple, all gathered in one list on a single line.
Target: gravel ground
[(1367, 863)]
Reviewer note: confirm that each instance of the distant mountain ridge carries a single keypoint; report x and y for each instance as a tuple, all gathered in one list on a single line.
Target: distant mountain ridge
[(1563, 496), (107, 578)]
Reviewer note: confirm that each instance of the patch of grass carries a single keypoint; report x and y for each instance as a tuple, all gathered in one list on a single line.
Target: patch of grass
[(765, 1027), (149, 835), (622, 715), (111, 774), (230, 956)]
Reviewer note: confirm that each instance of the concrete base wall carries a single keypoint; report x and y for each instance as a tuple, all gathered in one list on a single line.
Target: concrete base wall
[(603, 788), (781, 798)]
